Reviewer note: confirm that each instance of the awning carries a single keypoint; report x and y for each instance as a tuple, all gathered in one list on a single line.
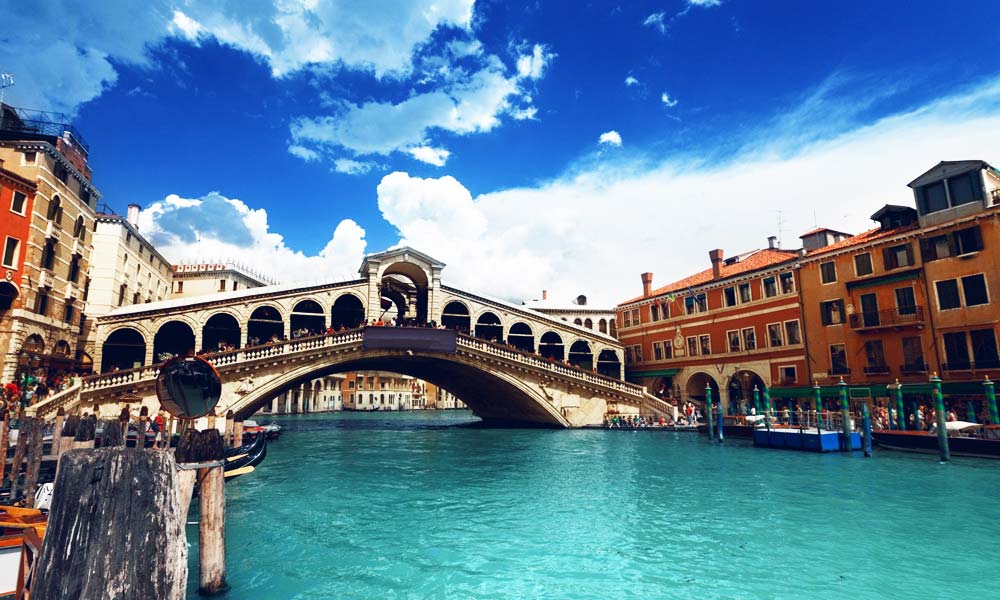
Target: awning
[(655, 373), (879, 390), (868, 282)]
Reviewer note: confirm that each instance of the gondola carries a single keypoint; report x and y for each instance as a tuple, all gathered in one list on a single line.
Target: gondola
[(980, 445), (243, 460)]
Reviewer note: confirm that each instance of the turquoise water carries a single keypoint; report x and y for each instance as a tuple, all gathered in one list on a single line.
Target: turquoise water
[(412, 506)]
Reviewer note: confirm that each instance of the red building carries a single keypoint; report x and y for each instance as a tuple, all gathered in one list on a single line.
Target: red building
[(17, 199), (733, 327)]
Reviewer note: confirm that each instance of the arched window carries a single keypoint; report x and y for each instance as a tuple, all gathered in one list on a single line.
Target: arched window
[(79, 230), (456, 316), (55, 209)]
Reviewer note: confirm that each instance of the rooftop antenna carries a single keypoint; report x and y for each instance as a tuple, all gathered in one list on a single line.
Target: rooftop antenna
[(6, 81)]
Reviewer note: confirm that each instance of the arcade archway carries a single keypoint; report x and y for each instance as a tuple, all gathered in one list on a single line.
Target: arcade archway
[(174, 338), (265, 325), (551, 346), (456, 316), (221, 331), (520, 336), (124, 349), (347, 313), (698, 383)]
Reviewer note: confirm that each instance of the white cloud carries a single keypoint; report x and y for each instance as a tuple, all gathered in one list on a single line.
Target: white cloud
[(352, 167), (533, 65), (215, 227), (705, 3), (667, 100), (630, 81), (302, 152), (429, 155), (594, 229), (611, 138), (656, 20)]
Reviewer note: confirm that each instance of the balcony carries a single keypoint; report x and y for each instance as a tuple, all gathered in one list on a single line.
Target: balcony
[(891, 317), (966, 365), (877, 370), (839, 370), (914, 369)]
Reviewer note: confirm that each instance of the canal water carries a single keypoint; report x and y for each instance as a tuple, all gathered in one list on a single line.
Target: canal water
[(416, 505)]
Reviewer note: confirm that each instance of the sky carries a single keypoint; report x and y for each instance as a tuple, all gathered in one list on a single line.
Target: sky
[(558, 145)]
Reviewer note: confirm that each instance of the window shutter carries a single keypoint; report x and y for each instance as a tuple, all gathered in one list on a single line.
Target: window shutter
[(824, 313), (909, 255), (927, 253), (977, 234), (889, 259), (952, 245)]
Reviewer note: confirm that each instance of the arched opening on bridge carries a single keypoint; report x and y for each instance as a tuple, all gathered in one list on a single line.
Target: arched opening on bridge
[(8, 294), (124, 349), (394, 304), (608, 364), (581, 355), (221, 332), (410, 281), (520, 336), (307, 319), (588, 324), (578, 321), (741, 387), (697, 384), (456, 316), (348, 313), (551, 346), (602, 326), (174, 338), (265, 324), (488, 327)]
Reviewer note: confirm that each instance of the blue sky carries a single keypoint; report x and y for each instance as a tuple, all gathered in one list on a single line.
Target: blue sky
[(559, 145)]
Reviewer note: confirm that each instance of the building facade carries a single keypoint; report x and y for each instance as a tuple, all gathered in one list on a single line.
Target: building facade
[(199, 279), (43, 328), (579, 312), (17, 200), (733, 327)]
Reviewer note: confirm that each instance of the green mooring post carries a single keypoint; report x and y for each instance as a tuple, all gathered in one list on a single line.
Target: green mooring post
[(767, 407), (756, 399), (942, 421), (818, 401), (991, 401), (708, 408), (867, 420), (845, 415), (900, 410)]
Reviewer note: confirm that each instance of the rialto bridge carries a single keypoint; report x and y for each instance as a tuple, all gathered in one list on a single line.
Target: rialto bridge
[(508, 363)]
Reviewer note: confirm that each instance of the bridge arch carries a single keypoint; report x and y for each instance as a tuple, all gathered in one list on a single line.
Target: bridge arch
[(489, 326), (307, 315), (455, 315), (266, 322), (491, 394), (348, 312), (581, 355), (418, 276), (521, 336), (550, 345), (173, 338), (221, 329)]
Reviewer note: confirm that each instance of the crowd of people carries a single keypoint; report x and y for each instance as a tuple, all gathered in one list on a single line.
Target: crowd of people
[(37, 387)]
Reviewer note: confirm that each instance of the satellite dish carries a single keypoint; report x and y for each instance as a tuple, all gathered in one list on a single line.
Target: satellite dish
[(188, 387)]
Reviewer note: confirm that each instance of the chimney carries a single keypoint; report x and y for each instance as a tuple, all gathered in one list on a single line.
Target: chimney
[(647, 284), (772, 242), (716, 257), (133, 215), (545, 294)]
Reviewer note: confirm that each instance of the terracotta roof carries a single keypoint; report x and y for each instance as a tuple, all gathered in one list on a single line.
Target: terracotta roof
[(821, 229), (863, 238), (752, 261)]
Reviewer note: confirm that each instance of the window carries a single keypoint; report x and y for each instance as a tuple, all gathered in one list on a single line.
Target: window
[(665, 311), (956, 350), (235, 284), (42, 302), (635, 317), (787, 283), (29, 158), (745, 293), (729, 295), (792, 333), (828, 272), (626, 319), (628, 354), (135, 298), (18, 202), (733, 337), (913, 354), (863, 264), (770, 287), (222, 285), (898, 256), (788, 375), (947, 293), (79, 229), (967, 241), (692, 346), (60, 172), (932, 198), (974, 288), (906, 303), (832, 312), (984, 348), (774, 337), (964, 189), (936, 247), (657, 350), (55, 209), (706, 344), (695, 304), (49, 255), (838, 360), (11, 252), (750, 338), (875, 353), (637, 352), (74, 269), (68, 311), (180, 287), (654, 313), (121, 294), (668, 350)]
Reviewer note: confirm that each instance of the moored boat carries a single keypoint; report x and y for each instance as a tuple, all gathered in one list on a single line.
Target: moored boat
[(976, 440)]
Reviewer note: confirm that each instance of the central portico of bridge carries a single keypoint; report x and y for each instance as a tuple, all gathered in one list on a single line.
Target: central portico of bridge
[(506, 361)]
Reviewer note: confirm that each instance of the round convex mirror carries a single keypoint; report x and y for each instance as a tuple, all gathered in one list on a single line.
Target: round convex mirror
[(188, 387)]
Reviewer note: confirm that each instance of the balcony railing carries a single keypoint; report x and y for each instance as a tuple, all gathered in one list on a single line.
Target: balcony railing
[(914, 369), (968, 365), (890, 317), (838, 370), (877, 370)]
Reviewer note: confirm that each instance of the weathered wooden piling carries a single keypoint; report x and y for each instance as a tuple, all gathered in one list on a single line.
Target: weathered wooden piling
[(106, 541), (4, 431), (34, 460), (86, 431), (238, 433), (206, 451), (112, 433), (65, 438), (23, 433), (230, 430)]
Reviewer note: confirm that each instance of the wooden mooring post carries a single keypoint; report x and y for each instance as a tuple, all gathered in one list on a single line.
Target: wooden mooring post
[(34, 460), (230, 431), (106, 541), (204, 453), (4, 432)]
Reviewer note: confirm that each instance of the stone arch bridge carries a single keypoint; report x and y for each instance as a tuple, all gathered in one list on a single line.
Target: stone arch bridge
[(507, 362)]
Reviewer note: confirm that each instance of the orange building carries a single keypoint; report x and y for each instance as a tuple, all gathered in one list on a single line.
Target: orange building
[(734, 327), (17, 200), (913, 296)]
